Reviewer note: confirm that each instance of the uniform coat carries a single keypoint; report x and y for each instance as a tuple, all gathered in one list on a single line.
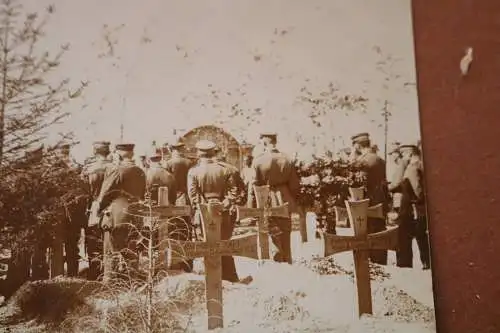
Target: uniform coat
[(396, 179), (413, 215), (156, 177), (93, 173), (179, 166), (277, 170), (124, 184), (210, 181)]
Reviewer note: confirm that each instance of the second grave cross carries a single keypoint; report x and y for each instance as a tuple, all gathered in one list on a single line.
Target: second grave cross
[(263, 212)]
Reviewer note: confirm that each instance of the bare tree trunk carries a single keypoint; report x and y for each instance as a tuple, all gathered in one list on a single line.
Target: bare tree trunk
[(386, 127), (5, 53)]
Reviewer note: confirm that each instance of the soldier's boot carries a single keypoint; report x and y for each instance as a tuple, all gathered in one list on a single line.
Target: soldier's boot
[(404, 254), (72, 257), (40, 266)]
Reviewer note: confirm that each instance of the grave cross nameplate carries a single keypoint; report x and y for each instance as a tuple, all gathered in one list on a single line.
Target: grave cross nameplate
[(212, 250), (263, 212), (356, 194), (360, 244)]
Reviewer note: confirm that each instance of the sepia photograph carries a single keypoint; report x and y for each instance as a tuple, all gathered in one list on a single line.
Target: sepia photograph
[(211, 166)]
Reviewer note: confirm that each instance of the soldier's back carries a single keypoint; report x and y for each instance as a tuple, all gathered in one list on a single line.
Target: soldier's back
[(157, 177), (179, 166), (95, 171), (132, 179), (273, 168), (211, 177)]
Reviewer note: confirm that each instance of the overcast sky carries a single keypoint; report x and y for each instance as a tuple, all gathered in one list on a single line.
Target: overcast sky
[(169, 56)]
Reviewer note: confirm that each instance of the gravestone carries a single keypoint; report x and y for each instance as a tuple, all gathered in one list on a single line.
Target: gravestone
[(211, 250), (263, 211), (361, 243)]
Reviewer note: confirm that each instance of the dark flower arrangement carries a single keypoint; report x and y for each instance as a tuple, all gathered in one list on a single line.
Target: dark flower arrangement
[(325, 184)]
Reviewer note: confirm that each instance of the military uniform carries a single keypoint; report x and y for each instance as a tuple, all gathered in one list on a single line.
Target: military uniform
[(397, 174), (93, 173), (412, 217), (209, 181), (179, 166), (124, 184), (277, 170), (374, 171)]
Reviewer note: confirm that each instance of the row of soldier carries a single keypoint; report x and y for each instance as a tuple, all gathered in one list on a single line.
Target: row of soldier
[(116, 183), (115, 186)]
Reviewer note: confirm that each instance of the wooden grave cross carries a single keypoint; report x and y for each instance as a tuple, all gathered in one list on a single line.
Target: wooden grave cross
[(263, 212), (211, 251), (361, 244)]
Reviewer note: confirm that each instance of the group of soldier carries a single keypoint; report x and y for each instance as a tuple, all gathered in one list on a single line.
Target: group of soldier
[(115, 182), (402, 196)]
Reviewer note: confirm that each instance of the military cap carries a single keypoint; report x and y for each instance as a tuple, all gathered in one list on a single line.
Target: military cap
[(408, 147), (271, 135), (101, 144), (413, 148), (125, 147), (177, 144), (206, 145), (64, 146), (360, 137), (155, 157)]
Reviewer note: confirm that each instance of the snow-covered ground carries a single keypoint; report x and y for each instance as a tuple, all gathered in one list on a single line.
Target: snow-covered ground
[(284, 298)]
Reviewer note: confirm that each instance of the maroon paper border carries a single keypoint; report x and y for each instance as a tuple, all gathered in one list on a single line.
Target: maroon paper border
[(460, 135)]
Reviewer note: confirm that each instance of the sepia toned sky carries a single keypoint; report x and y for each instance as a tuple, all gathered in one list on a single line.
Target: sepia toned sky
[(168, 56)]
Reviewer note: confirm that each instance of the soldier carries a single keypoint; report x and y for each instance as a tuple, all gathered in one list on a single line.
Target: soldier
[(248, 175), (76, 208), (277, 170), (399, 166), (179, 165), (93, 174), (209, 181), (372, 168), (124, 184), (413, 212), (235, 173), (156, 177)]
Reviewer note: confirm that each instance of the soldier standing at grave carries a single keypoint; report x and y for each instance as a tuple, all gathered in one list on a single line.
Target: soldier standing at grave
[(373, 170), (248, 175), (240, 186), (178, 165), (157, 176), (209, 181), (124, 184), (277, 170), (93, 173), (413, 200)]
